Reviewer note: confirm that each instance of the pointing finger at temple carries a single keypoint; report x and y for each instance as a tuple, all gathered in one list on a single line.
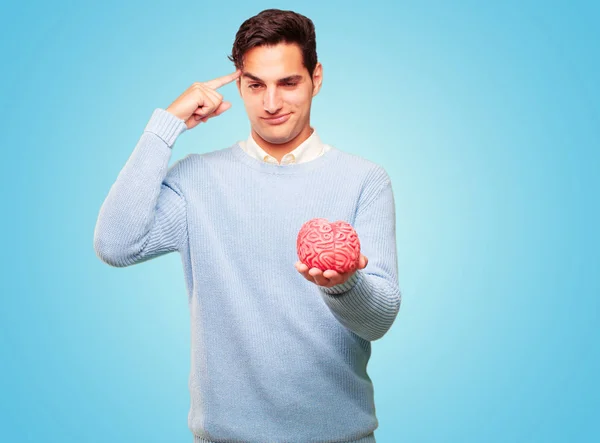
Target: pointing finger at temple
[(221, 81)]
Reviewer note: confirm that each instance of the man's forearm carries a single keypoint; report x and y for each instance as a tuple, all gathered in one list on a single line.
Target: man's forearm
[(143, 215), (369, 301)]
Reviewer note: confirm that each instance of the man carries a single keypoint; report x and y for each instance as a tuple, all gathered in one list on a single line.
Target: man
[(278, 354)]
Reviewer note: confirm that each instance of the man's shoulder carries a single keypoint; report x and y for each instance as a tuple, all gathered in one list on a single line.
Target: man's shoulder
[(197, 164), (210, 157), (355, 158), (349, 161)]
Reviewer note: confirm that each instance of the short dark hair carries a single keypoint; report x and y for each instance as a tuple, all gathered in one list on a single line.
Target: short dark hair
[(273, 26)]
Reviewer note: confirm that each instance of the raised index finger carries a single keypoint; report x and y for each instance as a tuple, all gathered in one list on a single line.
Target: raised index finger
[(220, 81)]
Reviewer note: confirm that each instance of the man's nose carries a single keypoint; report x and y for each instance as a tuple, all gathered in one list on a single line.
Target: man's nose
[(272, 101)]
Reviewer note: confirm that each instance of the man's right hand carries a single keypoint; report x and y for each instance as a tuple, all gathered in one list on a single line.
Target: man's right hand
[(201, 101)]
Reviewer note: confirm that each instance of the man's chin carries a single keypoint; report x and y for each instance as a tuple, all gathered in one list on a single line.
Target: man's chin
[(275, 139)]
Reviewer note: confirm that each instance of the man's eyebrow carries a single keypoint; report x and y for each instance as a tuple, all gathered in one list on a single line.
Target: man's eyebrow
[(291, 78)]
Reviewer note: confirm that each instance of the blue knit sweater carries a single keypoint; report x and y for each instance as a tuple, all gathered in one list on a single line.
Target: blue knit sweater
[(274, 358)]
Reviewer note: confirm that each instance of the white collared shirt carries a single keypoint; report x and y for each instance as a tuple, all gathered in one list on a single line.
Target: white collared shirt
[(308, 150)]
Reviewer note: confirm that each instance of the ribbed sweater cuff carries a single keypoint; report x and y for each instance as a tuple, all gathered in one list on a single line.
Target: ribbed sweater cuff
[(366, 439), (344, 287), (166, 126)]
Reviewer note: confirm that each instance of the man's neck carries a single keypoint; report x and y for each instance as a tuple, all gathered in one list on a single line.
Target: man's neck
[(279, 150)]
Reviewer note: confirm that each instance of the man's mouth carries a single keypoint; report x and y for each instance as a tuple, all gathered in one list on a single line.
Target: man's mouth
[(277, 120)]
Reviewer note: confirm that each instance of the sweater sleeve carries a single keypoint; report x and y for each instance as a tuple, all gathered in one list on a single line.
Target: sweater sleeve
[(369, 301), (144, 214)]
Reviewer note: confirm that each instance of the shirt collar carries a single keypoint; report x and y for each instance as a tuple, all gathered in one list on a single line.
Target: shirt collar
[(308, 150)]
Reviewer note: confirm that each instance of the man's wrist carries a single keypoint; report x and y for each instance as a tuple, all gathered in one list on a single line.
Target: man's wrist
[(166, 126), (343, 287)]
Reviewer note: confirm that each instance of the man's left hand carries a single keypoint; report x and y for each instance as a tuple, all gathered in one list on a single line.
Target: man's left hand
[(329, 277)]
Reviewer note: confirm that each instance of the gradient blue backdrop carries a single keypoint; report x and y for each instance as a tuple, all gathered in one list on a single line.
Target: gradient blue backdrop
[(487, 119)]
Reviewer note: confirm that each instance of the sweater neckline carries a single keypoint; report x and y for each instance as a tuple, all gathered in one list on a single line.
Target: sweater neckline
[(293, 168)]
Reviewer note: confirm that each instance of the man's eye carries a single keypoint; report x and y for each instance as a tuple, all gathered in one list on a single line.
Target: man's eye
[(258, 85)]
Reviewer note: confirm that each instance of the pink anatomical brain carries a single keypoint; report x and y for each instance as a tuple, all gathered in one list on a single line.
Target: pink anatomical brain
[(326, 245)]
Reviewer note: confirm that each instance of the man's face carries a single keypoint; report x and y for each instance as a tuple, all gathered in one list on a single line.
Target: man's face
[(277, 91)]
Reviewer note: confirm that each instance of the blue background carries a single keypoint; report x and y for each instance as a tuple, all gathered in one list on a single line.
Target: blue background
[(487, 119)]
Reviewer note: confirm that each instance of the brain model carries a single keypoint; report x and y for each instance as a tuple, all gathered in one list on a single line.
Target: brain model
[(326, 245)]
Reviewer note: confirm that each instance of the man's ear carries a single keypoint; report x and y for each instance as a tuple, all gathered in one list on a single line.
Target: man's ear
[(317, 78)]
